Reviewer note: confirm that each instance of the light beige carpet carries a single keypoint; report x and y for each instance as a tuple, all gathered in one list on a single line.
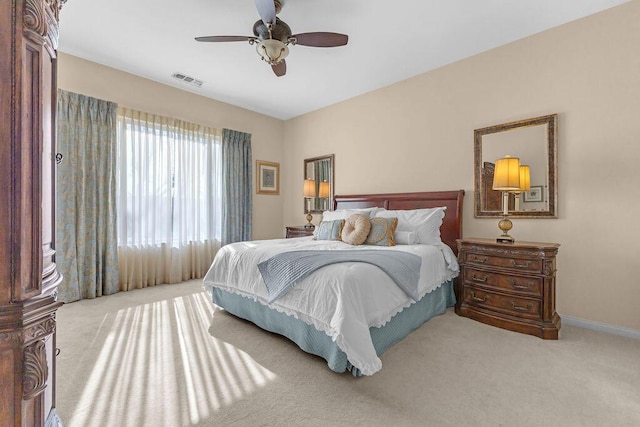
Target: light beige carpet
[(164, 356)]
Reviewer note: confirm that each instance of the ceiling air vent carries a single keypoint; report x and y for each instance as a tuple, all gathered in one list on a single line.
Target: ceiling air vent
[(187, 79)]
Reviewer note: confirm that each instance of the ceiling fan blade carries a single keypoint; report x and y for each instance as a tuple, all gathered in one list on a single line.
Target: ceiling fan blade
[(321, 39), (267, 11), (224, 38), (280, 69)]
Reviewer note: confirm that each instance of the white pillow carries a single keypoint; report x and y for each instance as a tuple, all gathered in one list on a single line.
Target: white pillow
[(405, 238), (424, 222), (369, 211), (346, 213)]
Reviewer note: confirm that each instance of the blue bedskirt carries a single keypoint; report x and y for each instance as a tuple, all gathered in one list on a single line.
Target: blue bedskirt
[(309, 339)]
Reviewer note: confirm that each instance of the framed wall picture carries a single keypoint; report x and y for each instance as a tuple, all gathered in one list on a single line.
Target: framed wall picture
[(268, 177), (535, 194)]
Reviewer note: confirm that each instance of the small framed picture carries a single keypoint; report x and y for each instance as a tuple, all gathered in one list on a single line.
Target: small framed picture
[(268, 174), (535, 194)]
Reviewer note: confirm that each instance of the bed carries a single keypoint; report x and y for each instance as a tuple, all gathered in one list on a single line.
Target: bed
[(348, 313)]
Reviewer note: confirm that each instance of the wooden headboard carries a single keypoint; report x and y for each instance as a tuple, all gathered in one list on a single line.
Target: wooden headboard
[(451, 228)]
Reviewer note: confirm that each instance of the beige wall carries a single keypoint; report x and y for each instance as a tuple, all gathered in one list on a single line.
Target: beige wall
[(417, 135), (89, 78)]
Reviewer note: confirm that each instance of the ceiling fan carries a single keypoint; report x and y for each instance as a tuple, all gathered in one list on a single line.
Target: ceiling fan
[(273, 37)]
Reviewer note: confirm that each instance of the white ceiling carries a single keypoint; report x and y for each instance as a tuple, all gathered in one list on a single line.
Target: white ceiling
[(388, 42)]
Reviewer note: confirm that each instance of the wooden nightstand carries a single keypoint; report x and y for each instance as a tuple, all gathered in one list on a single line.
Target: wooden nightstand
[(509, 285), (299, 231)]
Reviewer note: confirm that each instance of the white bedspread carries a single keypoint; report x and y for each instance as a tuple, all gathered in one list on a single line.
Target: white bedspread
[(343, 300)]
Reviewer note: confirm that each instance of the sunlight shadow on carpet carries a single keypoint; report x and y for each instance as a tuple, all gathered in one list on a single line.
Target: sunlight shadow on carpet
[(159, 363)]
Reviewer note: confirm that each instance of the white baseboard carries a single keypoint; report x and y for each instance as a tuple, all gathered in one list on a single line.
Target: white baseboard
[(602, 327)]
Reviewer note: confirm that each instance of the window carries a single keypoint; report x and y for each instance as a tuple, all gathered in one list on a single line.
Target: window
[(168, 181)]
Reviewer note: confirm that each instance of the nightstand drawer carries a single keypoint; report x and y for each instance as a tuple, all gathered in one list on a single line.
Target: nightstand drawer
[(529, 286), (515, 306), (299, 231), (533, 265)]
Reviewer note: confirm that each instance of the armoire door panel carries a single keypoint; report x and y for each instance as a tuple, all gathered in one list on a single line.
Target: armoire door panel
[(28, 275)]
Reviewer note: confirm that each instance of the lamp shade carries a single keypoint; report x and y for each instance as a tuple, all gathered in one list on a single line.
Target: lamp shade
[(324, 190), (309, 188), (506, 176), (525, 178)]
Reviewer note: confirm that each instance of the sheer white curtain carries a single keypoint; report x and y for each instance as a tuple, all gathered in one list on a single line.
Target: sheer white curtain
[(168, 199)]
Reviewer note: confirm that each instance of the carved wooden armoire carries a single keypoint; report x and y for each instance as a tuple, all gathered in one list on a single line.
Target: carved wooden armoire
[(28, 275)]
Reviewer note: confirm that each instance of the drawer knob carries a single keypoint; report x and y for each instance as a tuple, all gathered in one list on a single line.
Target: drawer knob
[(479, 279), (478, 299), (521, 308), (519, 286), (515, 264), (479, 259)]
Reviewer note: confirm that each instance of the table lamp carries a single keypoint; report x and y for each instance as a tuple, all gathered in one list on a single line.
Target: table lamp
[(506, 178), (309, 191)]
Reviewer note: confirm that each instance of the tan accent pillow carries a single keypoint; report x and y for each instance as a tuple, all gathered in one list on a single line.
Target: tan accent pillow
[(381, 232), (356, 229)]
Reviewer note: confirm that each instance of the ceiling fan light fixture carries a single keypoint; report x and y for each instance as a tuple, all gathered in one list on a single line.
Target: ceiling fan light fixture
[(272, 51)]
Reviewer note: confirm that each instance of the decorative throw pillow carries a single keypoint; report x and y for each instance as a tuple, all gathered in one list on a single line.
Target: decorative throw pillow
[(346, 213), (382, 230), (329, 230), (356, 229)]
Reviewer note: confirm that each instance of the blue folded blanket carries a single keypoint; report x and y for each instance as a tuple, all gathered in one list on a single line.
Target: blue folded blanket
[(283, 271)]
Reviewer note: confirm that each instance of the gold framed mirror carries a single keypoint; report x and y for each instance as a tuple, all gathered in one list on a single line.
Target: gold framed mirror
[(534, 142), (319, 176)]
